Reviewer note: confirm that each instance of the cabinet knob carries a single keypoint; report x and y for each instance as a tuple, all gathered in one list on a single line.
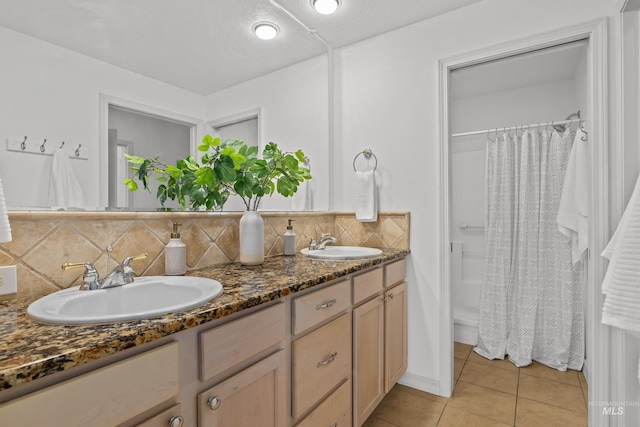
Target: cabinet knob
[(326, 304), (385, 299), (391, 295), (334, 425), (176, 421), (328, 361), (214, 402)]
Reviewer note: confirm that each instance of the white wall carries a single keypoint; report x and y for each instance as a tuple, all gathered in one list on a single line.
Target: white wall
[(388, 100), (50, 92), (294, 104)]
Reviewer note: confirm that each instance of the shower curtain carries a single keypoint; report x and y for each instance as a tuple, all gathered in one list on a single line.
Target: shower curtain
[(531, 300)]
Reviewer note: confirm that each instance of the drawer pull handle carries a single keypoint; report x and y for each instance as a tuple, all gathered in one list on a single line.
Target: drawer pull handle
[(176, 421), (214, 402), (326, 304), (328, 361)]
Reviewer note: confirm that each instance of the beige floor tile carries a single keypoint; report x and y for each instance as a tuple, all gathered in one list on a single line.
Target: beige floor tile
[(530, 413), (458, 364), (376, 422), (417, 392), (552, 392), (484, 401), (404, 409), (456, 417), (503, 364), (539, 370), (461, 351), (490, 377)]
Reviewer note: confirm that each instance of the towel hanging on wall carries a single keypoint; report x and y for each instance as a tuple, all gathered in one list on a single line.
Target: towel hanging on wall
[(573, 207), (366, 197), (64, 188)]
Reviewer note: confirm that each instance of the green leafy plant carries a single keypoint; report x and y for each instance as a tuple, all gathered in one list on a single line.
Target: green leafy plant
[(227, 167)]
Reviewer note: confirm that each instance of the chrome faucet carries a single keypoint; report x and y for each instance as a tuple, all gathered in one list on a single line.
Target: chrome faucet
[(120, 275), (326, 238)]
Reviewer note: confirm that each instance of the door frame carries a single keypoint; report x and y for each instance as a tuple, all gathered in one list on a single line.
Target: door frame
[(105, 101), (598, 337)]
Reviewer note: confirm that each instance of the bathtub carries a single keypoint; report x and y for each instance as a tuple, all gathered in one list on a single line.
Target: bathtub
[(466, 300)]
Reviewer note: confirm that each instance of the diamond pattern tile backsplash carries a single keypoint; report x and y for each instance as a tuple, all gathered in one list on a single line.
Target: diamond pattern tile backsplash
[(42, 241)]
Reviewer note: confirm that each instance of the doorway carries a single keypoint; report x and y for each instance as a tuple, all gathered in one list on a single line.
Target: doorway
[(151, 131), (595, 100)]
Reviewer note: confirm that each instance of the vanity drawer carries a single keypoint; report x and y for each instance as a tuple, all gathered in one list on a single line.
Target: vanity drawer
[(105, 397), (228, 345), (320, 361), (367, 284), (395, 272), (334, 411), (318, 306)]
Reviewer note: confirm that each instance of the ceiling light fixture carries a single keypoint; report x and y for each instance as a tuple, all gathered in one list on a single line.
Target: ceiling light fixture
[(325, 7), (265, 30)]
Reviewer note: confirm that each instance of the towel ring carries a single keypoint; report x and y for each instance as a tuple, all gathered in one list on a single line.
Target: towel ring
[(367, 153)]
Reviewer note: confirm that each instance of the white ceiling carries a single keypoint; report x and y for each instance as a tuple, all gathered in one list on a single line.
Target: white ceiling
[(207, 45)]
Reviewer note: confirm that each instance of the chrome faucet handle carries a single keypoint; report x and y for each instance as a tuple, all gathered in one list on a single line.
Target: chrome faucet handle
[(90, 276), (128, 259), (127, 270)]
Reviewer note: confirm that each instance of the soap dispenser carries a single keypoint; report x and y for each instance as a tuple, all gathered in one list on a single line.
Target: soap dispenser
[(175, 254), (289, 238)]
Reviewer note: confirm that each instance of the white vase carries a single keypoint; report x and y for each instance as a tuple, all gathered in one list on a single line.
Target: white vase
[(251, 238)]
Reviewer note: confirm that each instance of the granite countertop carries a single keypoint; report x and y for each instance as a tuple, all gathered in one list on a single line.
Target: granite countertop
[(30, 350)]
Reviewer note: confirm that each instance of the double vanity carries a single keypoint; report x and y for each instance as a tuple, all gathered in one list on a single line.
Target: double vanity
[(296, 341)]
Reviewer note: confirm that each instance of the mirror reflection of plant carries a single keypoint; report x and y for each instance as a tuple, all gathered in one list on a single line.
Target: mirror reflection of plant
[(229, 167)]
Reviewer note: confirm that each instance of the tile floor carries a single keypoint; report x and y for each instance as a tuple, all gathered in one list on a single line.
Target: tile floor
[(490, 393)]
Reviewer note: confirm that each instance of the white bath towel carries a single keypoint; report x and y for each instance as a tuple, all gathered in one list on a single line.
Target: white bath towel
[(64, 188), (621, 284), (366, 197), (573, 208)]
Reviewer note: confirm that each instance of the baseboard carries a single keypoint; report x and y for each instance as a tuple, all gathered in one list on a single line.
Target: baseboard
[(465, 334), (419, 382)]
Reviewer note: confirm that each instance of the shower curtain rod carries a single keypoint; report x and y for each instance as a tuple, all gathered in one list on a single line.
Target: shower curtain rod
[(509, 128)]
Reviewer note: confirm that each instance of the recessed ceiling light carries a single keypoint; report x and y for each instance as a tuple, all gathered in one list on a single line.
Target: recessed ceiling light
[(265, 30), (325, 7)]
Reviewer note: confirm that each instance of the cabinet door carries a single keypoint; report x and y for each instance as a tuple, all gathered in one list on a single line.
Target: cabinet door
[(395, 334), (254, 397), (368, 356)]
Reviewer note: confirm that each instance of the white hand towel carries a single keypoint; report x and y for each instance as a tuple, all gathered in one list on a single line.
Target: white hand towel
[(621, 284), (573, 208), (366, 198), (64, 188)]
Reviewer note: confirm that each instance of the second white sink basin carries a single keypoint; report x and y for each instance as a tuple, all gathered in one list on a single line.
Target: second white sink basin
[(146, 297), (342, 252)]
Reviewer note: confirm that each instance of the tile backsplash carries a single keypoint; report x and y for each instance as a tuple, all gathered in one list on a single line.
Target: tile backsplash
[(42, 241)]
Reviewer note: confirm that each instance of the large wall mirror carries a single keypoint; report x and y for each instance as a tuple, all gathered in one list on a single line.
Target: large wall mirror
[(64, 80)]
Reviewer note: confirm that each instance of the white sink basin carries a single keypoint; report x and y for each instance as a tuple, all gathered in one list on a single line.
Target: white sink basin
[(146, 297), (342, 252)]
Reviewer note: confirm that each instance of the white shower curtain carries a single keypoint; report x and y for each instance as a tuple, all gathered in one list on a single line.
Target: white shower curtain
[(531, 300)]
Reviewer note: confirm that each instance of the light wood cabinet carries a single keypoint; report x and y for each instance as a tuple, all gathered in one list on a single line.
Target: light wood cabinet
[(106, 397), (368, 357), (335, 411), (254, 397), (320, 361), (379, 349), (395, 333)]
